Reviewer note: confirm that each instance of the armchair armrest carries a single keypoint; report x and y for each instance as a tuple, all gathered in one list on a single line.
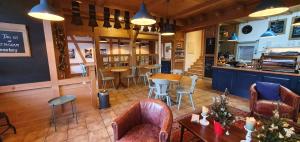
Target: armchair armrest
[(290, 98), (165, 131), (126, 121), (253, 97)]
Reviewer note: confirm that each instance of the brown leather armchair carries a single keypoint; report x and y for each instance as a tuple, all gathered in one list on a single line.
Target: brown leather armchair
[(288, 108), (147, 120)]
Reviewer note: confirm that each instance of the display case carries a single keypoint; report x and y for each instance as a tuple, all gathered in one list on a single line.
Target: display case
[(280, 62)]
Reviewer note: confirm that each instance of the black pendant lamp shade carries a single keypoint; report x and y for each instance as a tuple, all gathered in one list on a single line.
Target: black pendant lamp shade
[(103, 40), (153, 28), (145, 29), (268, 8), (76, 18), (106, 15), (168, 29), (296, 21), (92, 14), (45, 11), (117, 24), (136, 27), (174, 26), (127, 20), (142, 17)]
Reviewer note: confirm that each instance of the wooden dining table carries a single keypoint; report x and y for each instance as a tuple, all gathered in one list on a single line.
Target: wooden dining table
[(119, 71), (151, 67), (170, 77)]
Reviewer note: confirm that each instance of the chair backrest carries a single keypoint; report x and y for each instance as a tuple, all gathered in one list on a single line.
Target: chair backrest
[(177, 71), (161, 86), (158, 70), (133, 70), (194, 82), (83, 69), (148, 74)]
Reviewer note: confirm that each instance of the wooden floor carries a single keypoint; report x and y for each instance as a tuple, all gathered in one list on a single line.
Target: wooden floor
[(32, 117)]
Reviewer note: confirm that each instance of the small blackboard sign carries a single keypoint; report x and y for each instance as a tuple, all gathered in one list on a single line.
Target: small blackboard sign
[(13, 40), (278, 26)]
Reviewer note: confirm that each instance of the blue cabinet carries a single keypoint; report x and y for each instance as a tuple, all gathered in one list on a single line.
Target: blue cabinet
[(238, 82)]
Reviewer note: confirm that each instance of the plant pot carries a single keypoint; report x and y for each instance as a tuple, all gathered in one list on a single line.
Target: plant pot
[(219, 130)]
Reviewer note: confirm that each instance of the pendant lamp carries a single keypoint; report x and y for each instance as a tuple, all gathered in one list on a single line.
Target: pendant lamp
[(268, 33), (117, 24), (142, 17), (106, 15), (233, 37), (268, 8), (76, 18), (168, 29), (127, 20), (45, 12), (296, 21), (92, 16), (103, 40)]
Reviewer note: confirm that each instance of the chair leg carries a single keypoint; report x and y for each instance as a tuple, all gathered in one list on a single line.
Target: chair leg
[(150, 93), (169, 101), (134, 80), (179, 101), (127, 82), (191, 99), (104, 84), (112, 81), (144, 78)]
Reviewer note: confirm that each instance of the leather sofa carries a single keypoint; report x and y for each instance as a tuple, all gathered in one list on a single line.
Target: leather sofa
[(288, 106), (147, 120)]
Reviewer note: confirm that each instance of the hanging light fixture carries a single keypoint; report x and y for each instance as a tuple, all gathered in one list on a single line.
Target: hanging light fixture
[(92, 14), (268, 33), (136, 27), (142, 17), (233, 37), (127, 20), (45, 12), (137, 41), (168, 29), (268, 8), (103, 40), (117, 24), (145, 29), (161, 25), (76, 18), (106, 15), (296, 21)]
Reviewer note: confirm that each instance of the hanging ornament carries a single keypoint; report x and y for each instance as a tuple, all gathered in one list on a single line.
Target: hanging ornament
[(76, 18), (92, 14), (106, 15), (117, 24), (127, 20)]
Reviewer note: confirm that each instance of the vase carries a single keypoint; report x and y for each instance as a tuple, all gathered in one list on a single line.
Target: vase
[(219, 130)]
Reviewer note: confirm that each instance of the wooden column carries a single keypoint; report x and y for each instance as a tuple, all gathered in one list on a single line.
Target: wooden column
[(133, 36), (98, 59), (158, 51), (51, 58), (94, 87)]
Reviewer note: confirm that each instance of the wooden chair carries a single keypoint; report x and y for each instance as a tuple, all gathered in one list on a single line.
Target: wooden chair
[(131, 76), (151, 85), (162, 90), (106, 78), (181, 91)]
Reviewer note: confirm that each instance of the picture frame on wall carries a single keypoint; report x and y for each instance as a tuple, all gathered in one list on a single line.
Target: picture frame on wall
[(14, 40), (72, 53), (278, 26), (88, 53), (294, 32)]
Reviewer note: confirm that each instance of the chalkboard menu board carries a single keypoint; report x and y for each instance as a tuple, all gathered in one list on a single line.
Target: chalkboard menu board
[(210, 45), (295, 32), (13, 40), (278, 26)]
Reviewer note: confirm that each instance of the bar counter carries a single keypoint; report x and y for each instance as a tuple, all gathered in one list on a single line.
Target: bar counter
[(239, 80)]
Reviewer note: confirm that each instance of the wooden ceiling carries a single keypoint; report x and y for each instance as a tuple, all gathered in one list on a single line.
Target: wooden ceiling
[(188, 13)]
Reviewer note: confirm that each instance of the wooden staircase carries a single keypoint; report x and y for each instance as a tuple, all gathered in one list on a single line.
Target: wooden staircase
[(197, 68)]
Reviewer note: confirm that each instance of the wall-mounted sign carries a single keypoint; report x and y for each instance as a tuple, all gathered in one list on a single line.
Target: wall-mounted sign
[(295, 31), (278, 26), (14, 40)]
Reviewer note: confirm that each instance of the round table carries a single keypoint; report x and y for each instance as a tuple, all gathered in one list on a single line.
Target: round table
[(151, 67), (119, 70), (58, 101)]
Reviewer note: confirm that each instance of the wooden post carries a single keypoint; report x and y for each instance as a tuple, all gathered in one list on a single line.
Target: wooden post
[(51, 58), (98, 59), (94, 87), (159, 49), (133, 36)]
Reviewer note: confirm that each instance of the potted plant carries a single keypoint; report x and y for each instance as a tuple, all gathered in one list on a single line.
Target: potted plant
[(276, 129), (221, 115)]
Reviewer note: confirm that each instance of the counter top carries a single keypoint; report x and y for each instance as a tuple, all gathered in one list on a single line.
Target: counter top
[(259, 71)]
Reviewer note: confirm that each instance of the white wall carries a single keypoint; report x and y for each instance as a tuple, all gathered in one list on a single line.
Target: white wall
[(193, 46), (278, 42)]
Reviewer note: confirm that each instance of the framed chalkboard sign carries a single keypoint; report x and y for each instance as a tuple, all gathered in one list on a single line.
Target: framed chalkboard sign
[(295, 31), (278, 26), (14, 40)]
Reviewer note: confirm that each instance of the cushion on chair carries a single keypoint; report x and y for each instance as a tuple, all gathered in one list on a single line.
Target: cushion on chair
[(268, 91), (266, 108), (141, 133)]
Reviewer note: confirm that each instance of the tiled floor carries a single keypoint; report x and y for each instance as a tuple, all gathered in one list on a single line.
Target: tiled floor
[(95, 125)]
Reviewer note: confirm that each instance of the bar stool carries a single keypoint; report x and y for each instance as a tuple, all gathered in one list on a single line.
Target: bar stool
[(58, 101)]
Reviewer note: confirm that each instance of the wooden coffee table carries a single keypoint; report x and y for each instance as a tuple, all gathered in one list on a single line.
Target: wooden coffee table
[(207, 134)]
